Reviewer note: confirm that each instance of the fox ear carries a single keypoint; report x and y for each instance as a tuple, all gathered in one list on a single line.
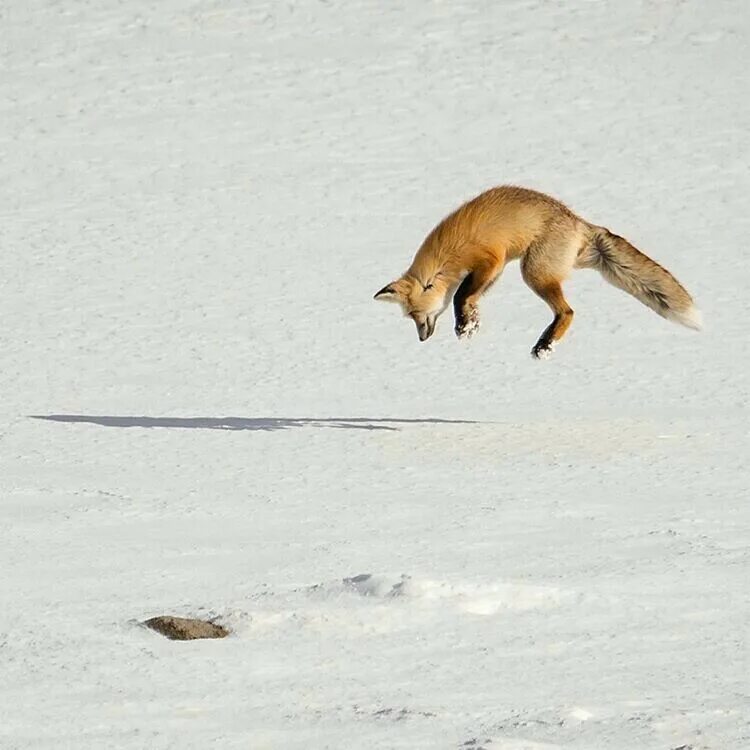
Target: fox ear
[(388, 293)]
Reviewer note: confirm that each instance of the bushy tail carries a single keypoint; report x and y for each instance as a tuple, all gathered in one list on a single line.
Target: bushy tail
[(629, 269)]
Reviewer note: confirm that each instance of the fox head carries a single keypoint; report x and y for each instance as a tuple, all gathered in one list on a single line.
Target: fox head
[(422, 300)]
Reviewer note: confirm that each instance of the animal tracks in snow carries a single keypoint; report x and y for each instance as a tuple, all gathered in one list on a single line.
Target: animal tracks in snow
[(383, 603), (477, 599)]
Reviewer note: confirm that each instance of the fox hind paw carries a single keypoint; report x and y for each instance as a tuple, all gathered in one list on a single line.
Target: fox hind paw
[(468, 325), (543, 349)]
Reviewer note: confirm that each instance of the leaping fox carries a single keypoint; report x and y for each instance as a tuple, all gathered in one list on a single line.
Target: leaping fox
[(466, 252)]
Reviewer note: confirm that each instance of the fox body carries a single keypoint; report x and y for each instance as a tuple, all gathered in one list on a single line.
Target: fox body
[(466, 252)]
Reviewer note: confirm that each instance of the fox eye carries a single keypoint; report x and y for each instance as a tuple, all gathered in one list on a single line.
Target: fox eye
[(427, 286)]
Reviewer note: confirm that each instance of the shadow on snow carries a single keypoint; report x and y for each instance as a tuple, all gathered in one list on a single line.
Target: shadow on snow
[(245, 423)]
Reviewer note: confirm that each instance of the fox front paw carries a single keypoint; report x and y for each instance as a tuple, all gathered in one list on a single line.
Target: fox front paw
[(468, 324)]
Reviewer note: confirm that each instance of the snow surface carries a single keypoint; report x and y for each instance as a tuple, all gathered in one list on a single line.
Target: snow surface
[(204, 412)]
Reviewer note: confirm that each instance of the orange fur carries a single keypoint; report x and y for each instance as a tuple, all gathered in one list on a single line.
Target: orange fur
[(467, 251)]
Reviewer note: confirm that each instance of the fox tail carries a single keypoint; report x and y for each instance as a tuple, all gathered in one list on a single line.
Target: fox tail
[(627, 268)]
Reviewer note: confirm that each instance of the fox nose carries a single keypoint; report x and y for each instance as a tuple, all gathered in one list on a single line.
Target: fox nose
[(426, 329)]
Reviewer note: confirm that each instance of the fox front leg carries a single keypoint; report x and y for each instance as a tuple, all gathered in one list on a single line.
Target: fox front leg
[(466, 314), (466, 299)]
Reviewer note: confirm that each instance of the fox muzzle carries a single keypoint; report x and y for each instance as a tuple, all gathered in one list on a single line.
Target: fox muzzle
[(426, 329)]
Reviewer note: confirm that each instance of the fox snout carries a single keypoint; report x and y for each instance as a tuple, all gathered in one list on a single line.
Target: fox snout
[(426, 328)]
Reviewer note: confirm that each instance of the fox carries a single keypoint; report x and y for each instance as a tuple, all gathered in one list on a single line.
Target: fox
[(464, 255)]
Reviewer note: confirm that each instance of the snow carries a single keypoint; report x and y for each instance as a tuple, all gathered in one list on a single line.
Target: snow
[(205, 413)]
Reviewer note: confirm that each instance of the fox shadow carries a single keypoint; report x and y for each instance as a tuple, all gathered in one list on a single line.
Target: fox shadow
[(262, 424)]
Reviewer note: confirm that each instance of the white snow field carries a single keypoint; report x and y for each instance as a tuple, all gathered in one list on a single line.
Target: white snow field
[(444, 545)]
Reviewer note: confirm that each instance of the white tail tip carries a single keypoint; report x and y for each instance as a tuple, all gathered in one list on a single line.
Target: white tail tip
[(690, 318)]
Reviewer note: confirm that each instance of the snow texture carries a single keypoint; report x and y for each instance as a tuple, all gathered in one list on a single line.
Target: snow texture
[(205, 414)]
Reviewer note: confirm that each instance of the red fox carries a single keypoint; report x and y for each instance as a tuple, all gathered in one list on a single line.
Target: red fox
[(466, 252)]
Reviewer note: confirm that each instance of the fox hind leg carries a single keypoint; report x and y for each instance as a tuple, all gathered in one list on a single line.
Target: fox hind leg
[(466, 298), (536, 273), (552, 294)]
